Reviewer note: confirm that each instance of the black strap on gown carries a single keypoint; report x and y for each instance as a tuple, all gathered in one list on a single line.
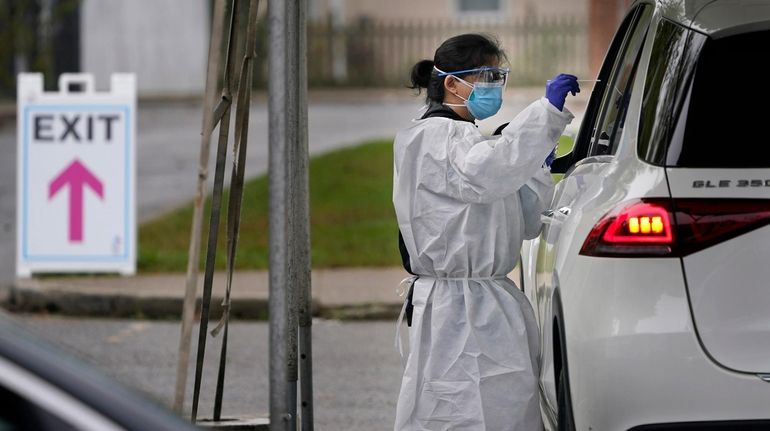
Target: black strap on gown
[(434, 110)]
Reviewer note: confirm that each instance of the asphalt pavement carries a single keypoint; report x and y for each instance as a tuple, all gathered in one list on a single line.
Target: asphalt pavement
[(357, 371)]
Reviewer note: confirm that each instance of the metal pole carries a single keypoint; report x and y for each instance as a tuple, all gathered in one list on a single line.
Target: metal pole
[(230, 76), (292, 286), (243, 106), (302, 230), (285, 132), (191, 283), (279, 405)]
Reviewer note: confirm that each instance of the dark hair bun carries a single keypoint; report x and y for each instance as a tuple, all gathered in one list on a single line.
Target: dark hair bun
[(421, 73)]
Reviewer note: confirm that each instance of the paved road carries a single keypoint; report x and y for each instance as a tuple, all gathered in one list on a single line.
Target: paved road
[(169, 140), (357, 370)]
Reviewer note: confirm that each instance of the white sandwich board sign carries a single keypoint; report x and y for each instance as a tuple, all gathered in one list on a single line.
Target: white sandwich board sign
[(76, 176)]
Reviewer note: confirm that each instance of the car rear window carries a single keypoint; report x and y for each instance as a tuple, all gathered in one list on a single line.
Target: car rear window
[(727, 122)]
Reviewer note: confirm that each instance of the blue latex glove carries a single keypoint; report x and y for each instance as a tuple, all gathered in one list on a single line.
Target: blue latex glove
[(557, 88), (551, 157)]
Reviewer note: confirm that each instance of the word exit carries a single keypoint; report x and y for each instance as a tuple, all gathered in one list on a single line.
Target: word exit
[(60, 128)]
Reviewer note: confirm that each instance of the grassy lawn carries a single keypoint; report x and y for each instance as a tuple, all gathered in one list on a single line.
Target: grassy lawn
[(352, 219), (565, 145)]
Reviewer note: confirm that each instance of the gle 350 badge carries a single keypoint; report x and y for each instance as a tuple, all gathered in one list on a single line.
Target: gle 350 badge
[(709, 184)]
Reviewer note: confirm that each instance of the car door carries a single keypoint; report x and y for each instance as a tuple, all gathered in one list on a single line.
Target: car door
[(596, 144)]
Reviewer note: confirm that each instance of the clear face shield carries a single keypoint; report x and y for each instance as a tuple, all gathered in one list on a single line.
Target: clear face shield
[(487, 76), (486, 96), (497, 76)]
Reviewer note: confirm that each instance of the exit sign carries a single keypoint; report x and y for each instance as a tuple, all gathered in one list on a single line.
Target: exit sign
[(76, 180)]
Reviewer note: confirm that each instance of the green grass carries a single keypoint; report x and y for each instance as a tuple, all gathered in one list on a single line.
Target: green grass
[(565, 145), (352, 219)]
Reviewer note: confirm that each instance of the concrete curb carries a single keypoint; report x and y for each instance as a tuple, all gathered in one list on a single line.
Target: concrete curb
[(24, 300), (239, 424), (338, 293), (343, 294)]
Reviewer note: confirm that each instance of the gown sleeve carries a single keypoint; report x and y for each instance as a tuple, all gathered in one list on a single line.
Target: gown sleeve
[(535, 197), (484, 170)]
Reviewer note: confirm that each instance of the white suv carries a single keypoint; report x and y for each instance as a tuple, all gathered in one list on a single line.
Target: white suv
[(651, 278)]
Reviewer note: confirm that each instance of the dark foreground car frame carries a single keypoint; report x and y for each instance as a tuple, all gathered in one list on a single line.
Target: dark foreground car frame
[(41, 388)]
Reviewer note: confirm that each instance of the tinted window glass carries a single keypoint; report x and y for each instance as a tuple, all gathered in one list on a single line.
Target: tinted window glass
[(618, 93), (727, 122), (588, 124), (663, 88)]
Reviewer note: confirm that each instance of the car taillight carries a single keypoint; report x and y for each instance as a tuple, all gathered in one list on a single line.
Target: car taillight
[(673, 227), (640, 228)]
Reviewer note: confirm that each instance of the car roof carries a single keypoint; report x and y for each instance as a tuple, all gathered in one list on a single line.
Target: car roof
[(718, 18)]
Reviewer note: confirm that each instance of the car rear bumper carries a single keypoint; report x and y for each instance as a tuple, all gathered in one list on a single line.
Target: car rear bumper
[(634, 357)]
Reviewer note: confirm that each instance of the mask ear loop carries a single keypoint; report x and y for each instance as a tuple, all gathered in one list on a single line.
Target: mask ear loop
[(461, 105)]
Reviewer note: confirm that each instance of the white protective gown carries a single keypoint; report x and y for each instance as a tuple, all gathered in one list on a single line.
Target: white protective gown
[(464, 203)]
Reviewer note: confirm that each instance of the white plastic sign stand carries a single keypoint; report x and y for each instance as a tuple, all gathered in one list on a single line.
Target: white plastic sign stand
[(76, 176)]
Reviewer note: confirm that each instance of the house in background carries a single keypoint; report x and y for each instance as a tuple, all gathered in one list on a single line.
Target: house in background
[(165, 42), (592, 23), (370, 42), (351, 43)]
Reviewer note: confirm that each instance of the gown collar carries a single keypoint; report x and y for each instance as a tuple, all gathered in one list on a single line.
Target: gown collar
[(439, 110)]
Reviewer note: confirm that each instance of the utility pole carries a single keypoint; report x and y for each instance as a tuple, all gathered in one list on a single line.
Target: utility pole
[(290, 322)]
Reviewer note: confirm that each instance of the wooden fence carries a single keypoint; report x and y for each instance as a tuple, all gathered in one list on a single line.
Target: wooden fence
[(371, 53)]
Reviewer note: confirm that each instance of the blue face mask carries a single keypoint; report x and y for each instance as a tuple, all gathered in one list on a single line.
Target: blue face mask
[(485, 98)]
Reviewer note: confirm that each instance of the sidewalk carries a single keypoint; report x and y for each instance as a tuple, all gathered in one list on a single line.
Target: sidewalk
[(350, 294)]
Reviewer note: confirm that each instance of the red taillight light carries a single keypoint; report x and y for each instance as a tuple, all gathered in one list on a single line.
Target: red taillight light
[(640, 228), (673, 227), (640, 222)]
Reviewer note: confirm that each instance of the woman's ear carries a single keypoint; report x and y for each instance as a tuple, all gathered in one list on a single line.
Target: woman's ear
[(450, 85)]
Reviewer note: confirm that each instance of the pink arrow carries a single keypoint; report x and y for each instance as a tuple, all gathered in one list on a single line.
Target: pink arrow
[(77, 176)]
